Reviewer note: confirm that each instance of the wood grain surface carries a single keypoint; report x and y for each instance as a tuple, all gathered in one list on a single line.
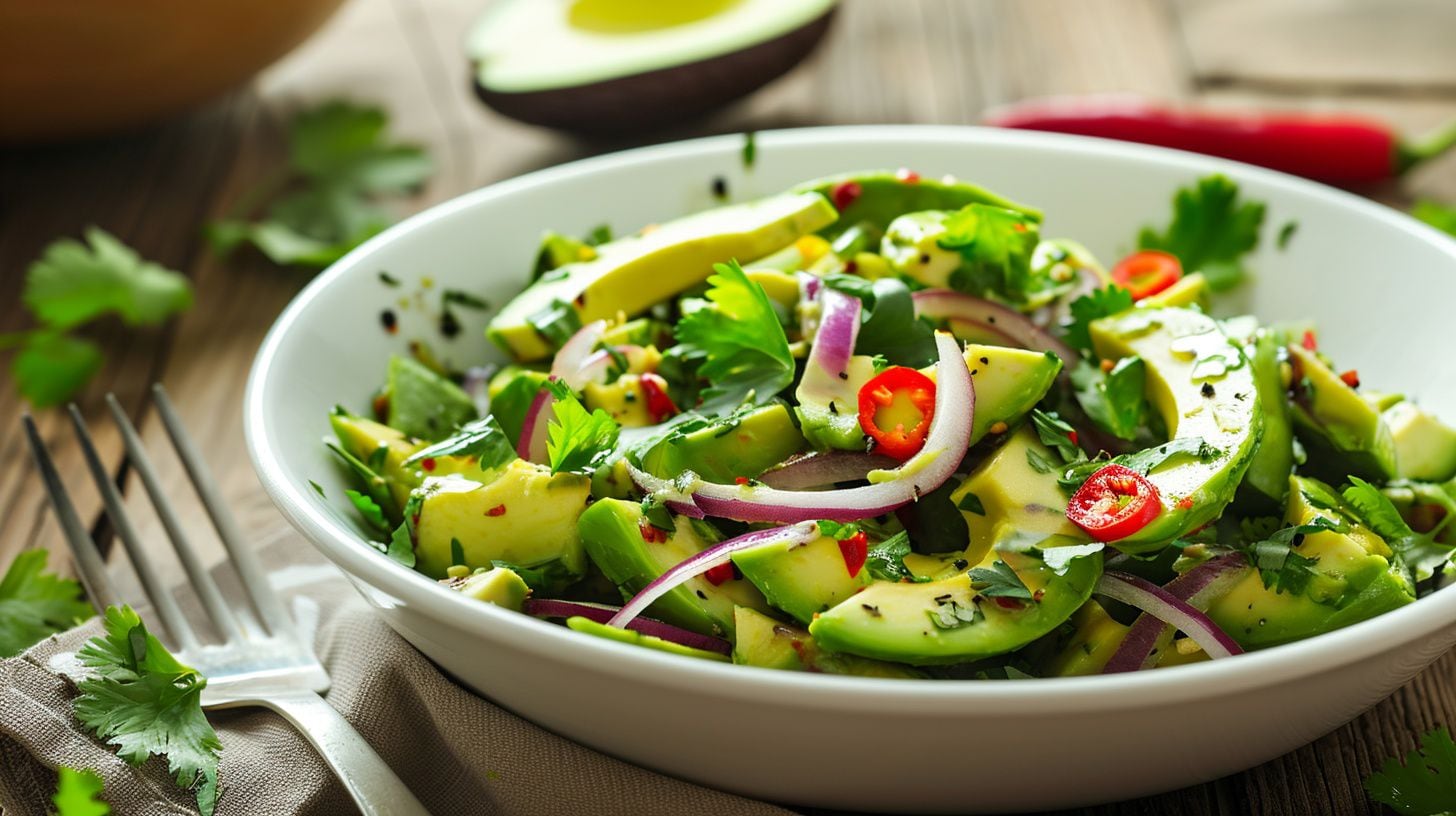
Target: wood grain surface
[(915, 61)]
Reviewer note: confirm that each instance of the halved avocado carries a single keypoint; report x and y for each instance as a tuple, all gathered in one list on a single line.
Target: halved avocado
[(617, 66)]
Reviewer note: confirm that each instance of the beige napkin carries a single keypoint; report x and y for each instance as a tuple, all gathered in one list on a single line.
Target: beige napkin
[(459, 753)]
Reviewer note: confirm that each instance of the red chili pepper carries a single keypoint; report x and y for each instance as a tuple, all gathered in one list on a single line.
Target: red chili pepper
[(844, 194), (1072, 437), (660, 406), (1338, 149), (1007, 603), (650, 533), (1114, 503), (498, 510), (428, 463), (1351, 378), (907, 176), (1146, 273), (897, 391), (856, 550), (1309, 341), (720, 574)]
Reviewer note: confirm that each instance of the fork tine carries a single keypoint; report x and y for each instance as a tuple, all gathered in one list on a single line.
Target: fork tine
[(89, 563), (267, 604), (162, 601), (202, 583)]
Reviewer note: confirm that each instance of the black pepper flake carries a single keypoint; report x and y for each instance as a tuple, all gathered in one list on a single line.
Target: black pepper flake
[(1207, 390), (844, 375), (873, 610), (985, 361), (961, 563), (391, 323), (702, 595), (449, 326), (925, 257), (388, 279), (832, 408), (720, 187), (1241, 396), (942, 598), (580, 300), (991, 319)]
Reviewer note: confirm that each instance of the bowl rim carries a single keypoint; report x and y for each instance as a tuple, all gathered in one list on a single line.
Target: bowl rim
[(1400, 628)]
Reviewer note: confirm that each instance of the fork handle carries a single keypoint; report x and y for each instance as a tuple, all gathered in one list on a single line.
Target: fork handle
[(376, 789)]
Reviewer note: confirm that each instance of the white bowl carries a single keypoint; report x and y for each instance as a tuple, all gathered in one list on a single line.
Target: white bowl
[(1379, 284)]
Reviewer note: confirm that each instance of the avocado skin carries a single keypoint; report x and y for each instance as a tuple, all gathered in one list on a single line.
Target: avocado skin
[(1266, 482), (654, 99)]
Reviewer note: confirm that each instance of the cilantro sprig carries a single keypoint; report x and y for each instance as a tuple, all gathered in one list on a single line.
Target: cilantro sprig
[(1272, 553), (995, 245), (73, 284), (745, 351), (35, 604), (577, 441), (76, 793), (142, 700), (1211, 231), (1424, 784), (325, 202), (1096, 304), (1419, 553)]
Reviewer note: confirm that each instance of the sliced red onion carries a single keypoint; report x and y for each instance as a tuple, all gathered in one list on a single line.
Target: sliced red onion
[(809, 289), (838, 331), (477, 386), (1170, 609), (568, 362), (601, 613), (987, 316), (594, 368), (945, 447), (1198, 587), (532, 444), (824, 469), (716, 555)]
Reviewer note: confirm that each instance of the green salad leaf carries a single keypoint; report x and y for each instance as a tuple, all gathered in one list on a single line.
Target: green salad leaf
[(1272, 551), (35, 604), (1424, 784), (745, 352), (482, 438), (1113, 399), (996, 246), (1096, 304), (886, 560), (888, 325), (1211, 231), (144, 701), (999, 581), (577, 441), (1419, 553)]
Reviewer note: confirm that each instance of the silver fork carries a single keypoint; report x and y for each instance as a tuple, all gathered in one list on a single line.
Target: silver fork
[(261, 659)]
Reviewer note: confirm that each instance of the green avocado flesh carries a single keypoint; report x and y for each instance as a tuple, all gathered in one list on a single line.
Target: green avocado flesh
[(768, 644), (364, 438), (601, 630), (802, 580), (1354, 579), (1342, 432), (1202, 385), (498, 585), (885, 195), (725, 451), (1267, 480), (1425, 447), (631, 274), (424, 404)]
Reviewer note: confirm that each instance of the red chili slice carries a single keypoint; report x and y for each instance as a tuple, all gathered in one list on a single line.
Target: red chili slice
[(844, 194), (897, 391), (856, 550), (660, 406), (1114, 503), (720, 574), (1147, 273)]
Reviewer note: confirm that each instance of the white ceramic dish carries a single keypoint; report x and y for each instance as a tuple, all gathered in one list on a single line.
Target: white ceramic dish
[(1379, 284)]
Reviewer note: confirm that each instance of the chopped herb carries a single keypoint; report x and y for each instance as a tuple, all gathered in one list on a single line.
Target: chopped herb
[(457, 552), (889, 329), (750, 149), (388, 279), (999, 581), (34, 604), (1286, 232), (838, 531), (456, 297), (482, 438), (746, 355), (1436, 214), (1057, 435), (1280, 568), (578, 441), (950, 614), (317, 488), (1424, 784), (372, 514), (971, 503), (557, 322), (402, 542), (1419, 553), (76, 793), (1096, 304), (1039, 463), (655, 512), (1211, 231), (1114, 399), (996, 246), (377, 457), (886, 560), (600, 234)]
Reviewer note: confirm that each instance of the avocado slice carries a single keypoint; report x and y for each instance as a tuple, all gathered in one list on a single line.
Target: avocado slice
[(886, 195), (1202, 385), (764, 642), (1267, 480), (635, 638), (1009, 382), (1010, 497), (615, 534), (635, 64), (1354, 579), (1342, 431), (424, 404), (498, 585), (802, 580), (525, 516), (1090, 639), (630, 275), (828, 406), (947, 621), (1188, 291), (364, 438), (739, 446), (1425, 447)]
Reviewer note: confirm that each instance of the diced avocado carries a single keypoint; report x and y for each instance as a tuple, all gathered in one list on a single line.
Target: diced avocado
[(525, 516), (364, 439), (643, 331), (423, 404), (804, 579), (795, 257), (1084, 648), (1009, 382), (616, 537), (591, 627), (782, 288), (1425, 447), (511, 392), (623, 400), (1267, 480), (828, 405), (558, 250), (742, 445), (1203, 387), (947, 621), (1382, 401), (1353, 578), (631, 274), (1342, 432), (1009, 497), (912, 247), (1189, 290), (764, 642), (885, 195), (497, 585)]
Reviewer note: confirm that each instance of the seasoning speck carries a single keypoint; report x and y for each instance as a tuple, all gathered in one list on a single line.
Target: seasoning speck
[(388, 279), (1207, 390), (720, 188), (391, 323)]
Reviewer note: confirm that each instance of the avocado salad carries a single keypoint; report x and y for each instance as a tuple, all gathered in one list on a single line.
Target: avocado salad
[(881, 425)]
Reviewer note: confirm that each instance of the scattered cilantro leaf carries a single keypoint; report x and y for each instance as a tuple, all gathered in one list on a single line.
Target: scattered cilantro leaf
[(996, 245), (1059, 559), (1436, 214), (402, 545), (746, 354), (1286, 233), (750, 149), (886, 560), (655, 511), (1419, 553), (1211, 231), (1280, 568), (372, 514), (1039, 463), (76, 793), (889, 328), (1098, 303), (1424, 784), (577, 441), (838, 531), (144, 701), (999, 581), (481, 438), (1057, 435), (317, 488), (1144, 461), (50, 367), (1114, 399), (457, 552), (971, 503), (35, 604)]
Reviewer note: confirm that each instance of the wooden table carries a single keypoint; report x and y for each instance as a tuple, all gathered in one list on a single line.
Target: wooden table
[(932, 61)]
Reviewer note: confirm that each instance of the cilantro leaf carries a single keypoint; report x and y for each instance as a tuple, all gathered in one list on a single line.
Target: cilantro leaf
[(1059, 559), (999, 581), (889, 327), (1280, 568), (746, 352), (76, 793), (886, 560), (72, 284), (1211, 230), (371, 512), (1113, 399), (1098, 303), (577, 441), (1057, 435), (1424, 784), (402, 545), (838, 531), (144, 701), (971, 503), (996, 245), (1436, 214), (481, 438), (1420, 554), (1144, 461), (50, 367), (35, 604)]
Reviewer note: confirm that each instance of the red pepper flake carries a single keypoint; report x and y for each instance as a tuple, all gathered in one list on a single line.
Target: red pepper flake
[(850, 267), (390, 322), (720, 574), (1038, 595), (651, 534), (907, 176), (660, 406), (498, 510), (428, 463), (844, 194), (1185, 503), (381, 406), (1072, 437), (1309, 341), (856, 550), (1007, 603), (1351, 378)]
